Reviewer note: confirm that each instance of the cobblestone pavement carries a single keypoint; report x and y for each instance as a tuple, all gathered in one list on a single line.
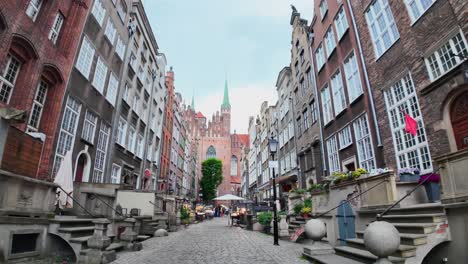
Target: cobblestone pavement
[(213, 242)]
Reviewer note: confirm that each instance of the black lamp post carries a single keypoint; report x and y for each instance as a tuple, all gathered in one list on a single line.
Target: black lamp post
[(273, 145)]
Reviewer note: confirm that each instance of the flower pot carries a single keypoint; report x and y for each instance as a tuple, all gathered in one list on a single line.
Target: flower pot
[(409, 177), (432, 191)]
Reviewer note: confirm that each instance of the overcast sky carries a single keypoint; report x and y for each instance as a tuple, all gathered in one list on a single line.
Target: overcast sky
[(247, 39)]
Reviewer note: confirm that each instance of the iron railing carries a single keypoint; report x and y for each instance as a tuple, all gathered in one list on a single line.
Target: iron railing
[(108, 205), (75, 201)]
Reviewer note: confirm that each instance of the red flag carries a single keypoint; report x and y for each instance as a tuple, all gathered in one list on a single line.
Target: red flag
[(411, 126)]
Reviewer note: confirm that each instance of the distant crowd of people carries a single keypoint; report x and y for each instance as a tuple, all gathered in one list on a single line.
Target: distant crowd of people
[(220, 211)]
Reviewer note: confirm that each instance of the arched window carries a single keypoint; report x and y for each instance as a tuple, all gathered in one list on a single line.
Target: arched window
[(211, 152), (233, 165)]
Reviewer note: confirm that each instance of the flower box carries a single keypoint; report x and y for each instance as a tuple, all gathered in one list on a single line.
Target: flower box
[(409, 177)]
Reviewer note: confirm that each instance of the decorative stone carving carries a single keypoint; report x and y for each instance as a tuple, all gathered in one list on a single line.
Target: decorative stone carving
[(315, 229), (161, 233), (283, 227), (381, 239)]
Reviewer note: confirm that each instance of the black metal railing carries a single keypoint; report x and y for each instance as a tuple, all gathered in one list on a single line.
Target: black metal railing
[(380, 216), (350, 199), (75, 201), (108, 205)]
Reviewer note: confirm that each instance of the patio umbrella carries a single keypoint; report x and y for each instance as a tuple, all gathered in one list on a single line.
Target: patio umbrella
[(228, 197), (64, 179)]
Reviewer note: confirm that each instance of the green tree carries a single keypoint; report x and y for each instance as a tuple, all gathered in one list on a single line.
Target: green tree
[(212, 176)]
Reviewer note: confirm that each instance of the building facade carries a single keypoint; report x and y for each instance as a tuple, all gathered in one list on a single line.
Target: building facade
[(307, 122), (163, 180), (39, 43), (349, 120)]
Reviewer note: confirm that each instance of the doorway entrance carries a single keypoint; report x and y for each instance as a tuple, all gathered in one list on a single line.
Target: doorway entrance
[(80, 167), (346, 222), (459, 118)]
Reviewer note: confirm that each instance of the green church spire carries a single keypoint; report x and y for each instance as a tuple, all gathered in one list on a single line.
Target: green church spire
[(192, 106), (226, 103)]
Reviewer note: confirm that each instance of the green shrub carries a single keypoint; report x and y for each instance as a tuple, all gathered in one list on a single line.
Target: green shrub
[(297, 208), (264, 218), (308, 203), (184, 213)]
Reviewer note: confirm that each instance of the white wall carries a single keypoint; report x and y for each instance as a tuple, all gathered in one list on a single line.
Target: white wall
[(140, 200)]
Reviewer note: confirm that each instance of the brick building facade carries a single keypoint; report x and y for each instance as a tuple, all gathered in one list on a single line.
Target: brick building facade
[(163, 180), (37, 51)]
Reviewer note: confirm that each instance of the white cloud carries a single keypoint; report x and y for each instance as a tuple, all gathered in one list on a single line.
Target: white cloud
[(245, 102)]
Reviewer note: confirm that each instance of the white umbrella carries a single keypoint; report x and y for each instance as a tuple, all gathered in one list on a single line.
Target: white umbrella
[(64, 179), (228, 197)]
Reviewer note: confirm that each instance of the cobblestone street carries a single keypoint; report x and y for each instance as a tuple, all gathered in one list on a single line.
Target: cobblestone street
[(214, 242)]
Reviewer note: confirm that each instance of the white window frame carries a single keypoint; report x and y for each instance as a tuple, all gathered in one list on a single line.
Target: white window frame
[(434, 64), (416, 8), (110, 31), (353, 77), (38, 106), (85, 58), (89, 126), (120, 11), (409, 151), (341, 23), (98, 11), (339, 97), (320, 57), (323, 9), (345, 139), (327, 107), (364, 144), (330, 43), (139, 146), (131, 139), (120, 48), (333, 155), (116, 173), (33, 9), (121, 132), (56, 27), (136, 104), (384, 13), (112, 89), (8, 78), (101, 153), (100, 75)]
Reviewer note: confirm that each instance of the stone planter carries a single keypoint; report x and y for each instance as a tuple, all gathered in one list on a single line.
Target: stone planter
[(432, 191), (257, 227), (409, 177), (283, 227)]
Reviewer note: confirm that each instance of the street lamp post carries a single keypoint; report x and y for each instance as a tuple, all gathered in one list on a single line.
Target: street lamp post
[(273, 145)]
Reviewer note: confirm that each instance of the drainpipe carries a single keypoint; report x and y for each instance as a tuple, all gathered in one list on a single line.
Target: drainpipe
[(366, 77)]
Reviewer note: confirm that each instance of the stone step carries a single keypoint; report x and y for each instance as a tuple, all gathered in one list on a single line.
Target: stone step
[(429, 208), (415, 218), (79, 240), (405, 239), (115, 246), (143, 238), (77, 231), (404, 251), (330, 259), (363, 256), (415, 228)]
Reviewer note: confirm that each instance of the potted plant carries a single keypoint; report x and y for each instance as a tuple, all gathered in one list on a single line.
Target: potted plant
[(432, 186), (297, 208), (305, 212), (264, 218), (409, 174)]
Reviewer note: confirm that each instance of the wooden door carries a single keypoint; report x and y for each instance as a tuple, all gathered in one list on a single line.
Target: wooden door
[(346, 222), (459, 117)]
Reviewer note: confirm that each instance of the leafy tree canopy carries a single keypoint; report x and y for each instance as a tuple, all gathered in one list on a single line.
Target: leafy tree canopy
[(212, 176)]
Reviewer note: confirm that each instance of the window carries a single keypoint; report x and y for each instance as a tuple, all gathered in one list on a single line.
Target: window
[(344, 137), (381, 26), (211, 152), (299, 127), (306, 119), (313, 112), (120, 48), (67, 131), (445, 58), (417, 8), (339, 99), (353, 80), (302, 57), (122, 10), (110, 31), (125, 93), (56, 27), (85, 58), (341, 24), (139, 146), (8, 79), (112, 88), (333, 158), (98, 11), (121, 132), (131, 139), (302, 86), (364, 143), (410, 151), (33, 9), (330, 43), (309, 77), (100, 162), (115, 174), (320, 57), (149, 151), (89, 127), (234, 165), (291, 129), (38, 106), (100, 75), (323, 8), (136, 105), (327, 105)]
